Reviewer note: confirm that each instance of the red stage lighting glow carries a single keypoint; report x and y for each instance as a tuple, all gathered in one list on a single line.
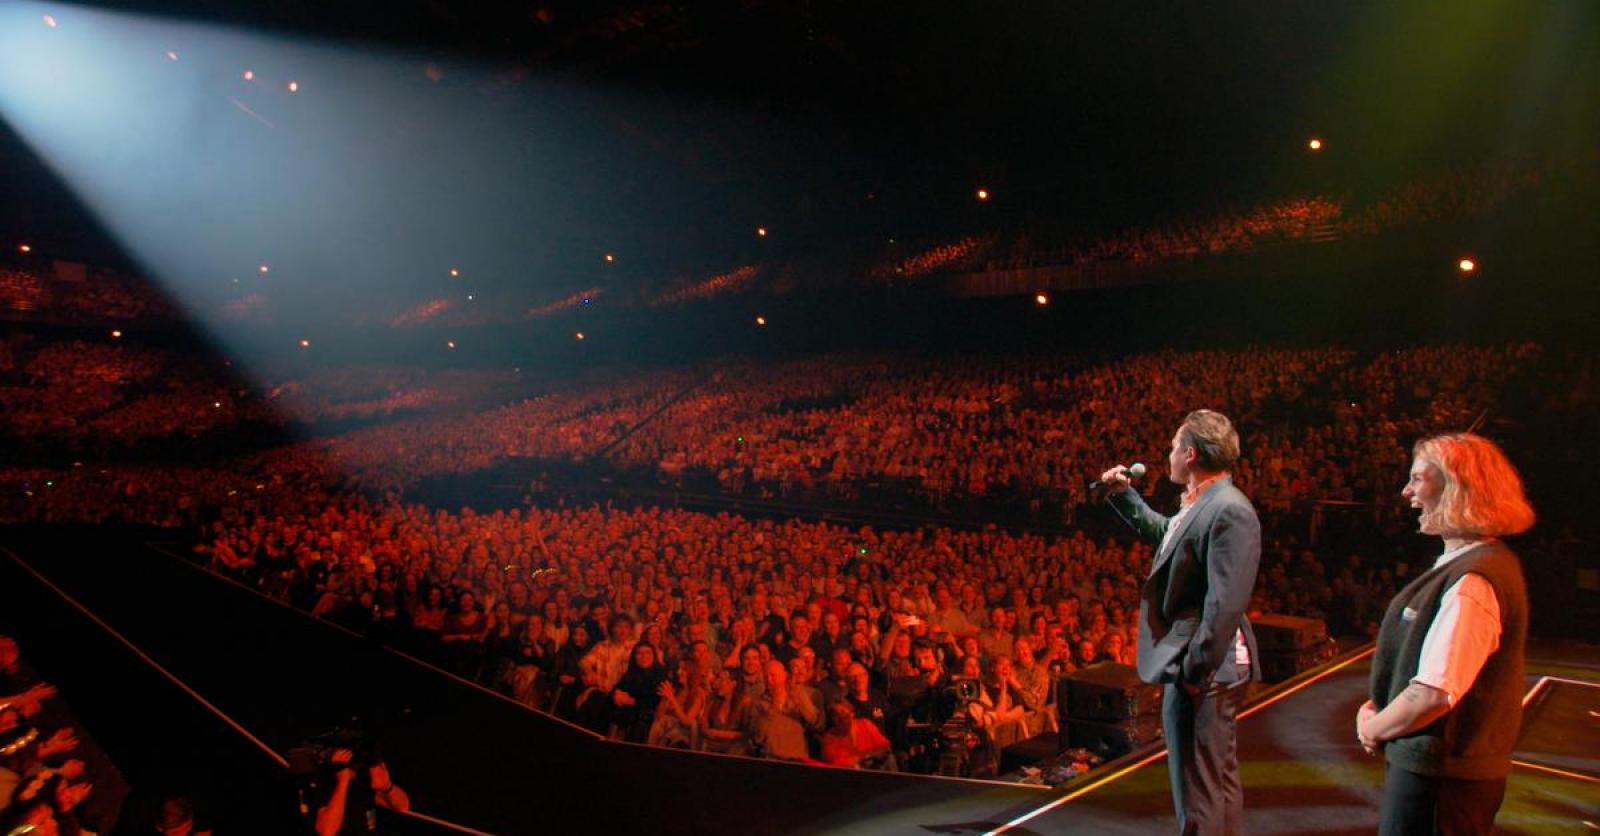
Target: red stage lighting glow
[(450, 344), (761, 320), (454, 272), (24, 248), (983, 194), (610, 258), (1042, 298), (580, 335), (1466, 265), (305, 343), (116, 335), (1315, 144), (761, 231)]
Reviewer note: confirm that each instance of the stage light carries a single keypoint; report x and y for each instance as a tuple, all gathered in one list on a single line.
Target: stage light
[(24, 248), (172, 56), (610, 258), (761, 231), (263, 268), (1042, 298), (449, 343), (116, 335), (305, 343), (469, 297), (455, 272), (1466, 265), (216, 404), (50, 21), (294, 87), (249, 75), (580, 335), (983, 194), (1315, 144), (761, 320)]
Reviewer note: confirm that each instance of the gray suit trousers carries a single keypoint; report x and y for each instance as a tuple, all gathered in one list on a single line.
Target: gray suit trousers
[(1202, 757)]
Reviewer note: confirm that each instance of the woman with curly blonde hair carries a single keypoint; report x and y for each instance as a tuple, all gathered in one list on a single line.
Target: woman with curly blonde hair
[(1447, 675)]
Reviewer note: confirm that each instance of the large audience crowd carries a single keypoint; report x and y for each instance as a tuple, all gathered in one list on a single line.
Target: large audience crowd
[(108, 395), (94, 297), (1449, 196), (794, 640), (1327, 423)]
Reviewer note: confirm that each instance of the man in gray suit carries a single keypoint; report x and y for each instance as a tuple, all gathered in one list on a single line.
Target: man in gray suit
[(1193, 634)]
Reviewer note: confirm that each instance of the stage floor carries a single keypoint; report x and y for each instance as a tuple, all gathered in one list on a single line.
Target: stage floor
[(1304, 773)]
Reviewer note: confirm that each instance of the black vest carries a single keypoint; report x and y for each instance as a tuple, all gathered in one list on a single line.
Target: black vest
[(1475, 738)]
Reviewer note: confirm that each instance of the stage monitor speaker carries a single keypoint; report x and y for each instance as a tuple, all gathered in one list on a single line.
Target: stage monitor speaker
[(1112, 740), (1288, 633), (1040, 747), (1108, 692), (1278, 665)]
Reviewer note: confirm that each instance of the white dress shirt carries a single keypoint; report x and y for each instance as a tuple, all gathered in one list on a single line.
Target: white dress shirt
[(1463, 634)]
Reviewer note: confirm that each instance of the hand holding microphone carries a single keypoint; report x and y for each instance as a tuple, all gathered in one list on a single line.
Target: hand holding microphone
[(1116, 479)]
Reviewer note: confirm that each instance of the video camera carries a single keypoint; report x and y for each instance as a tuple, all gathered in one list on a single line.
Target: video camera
[(314, 755), (944, 746)]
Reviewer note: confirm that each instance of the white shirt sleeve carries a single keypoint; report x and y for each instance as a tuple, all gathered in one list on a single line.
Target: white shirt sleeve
[(1463, 634)]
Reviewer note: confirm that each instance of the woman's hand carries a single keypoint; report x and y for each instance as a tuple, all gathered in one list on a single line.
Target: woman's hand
[(1363, 717)]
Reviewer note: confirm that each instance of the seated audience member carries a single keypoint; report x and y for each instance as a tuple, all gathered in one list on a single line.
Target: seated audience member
[(726, 725), (609, 658), (681, 710), (637, 693), (533, 660), (1006, 712), (853, 741), (783, 718)]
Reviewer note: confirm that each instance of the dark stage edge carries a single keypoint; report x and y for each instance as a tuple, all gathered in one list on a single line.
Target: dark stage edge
[(474, 758)]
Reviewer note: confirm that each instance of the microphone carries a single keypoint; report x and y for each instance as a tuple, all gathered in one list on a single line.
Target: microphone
[(1135, 471)]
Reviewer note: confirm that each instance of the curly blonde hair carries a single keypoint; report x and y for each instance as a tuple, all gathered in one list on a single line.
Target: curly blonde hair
[(1482, 493)]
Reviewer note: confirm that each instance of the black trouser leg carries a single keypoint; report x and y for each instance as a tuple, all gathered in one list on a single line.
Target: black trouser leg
[(1409, 802), (1423, 804), (1203, 759), (1467, 808)]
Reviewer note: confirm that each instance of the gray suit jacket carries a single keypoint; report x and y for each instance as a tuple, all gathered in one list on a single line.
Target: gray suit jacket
[(1195, 598)]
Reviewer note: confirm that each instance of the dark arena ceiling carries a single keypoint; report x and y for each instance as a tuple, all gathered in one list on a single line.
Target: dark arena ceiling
[(683, 126)]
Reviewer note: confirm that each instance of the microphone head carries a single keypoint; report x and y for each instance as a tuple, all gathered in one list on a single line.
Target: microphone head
[(1136, 470)]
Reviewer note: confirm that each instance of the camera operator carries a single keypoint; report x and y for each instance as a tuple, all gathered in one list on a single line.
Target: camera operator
[(348, 794), (920, 701)]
